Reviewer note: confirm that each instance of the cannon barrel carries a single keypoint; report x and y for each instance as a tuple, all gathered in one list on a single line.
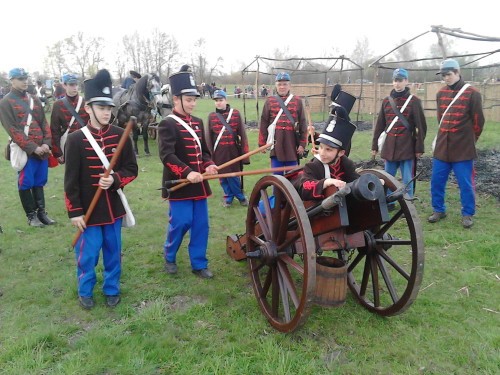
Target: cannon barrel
[(366, 188)]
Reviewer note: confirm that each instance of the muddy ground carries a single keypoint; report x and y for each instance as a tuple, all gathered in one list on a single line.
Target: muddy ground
[(487, 165)]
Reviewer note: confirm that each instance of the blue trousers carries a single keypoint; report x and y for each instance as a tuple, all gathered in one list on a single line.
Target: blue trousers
[(35, 173), (464, 172), (92, 240), (232, 188), (275, 163), (192, 215), (406, 168)]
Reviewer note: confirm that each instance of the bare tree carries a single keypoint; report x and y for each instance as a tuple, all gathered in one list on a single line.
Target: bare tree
[(55, 63), (84, 54), (132, 44)]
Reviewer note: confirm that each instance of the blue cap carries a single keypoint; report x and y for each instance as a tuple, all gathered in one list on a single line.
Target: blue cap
[(219, 94), (70, 78), (18, 73), (400, 73), (448, 65), (282, 76)]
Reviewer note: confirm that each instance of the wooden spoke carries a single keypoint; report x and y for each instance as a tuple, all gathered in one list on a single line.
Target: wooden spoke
[(393, 263), (387, 279), (288, 282), (263, 223), (287, 260)]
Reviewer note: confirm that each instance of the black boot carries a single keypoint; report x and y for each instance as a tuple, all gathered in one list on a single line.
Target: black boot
[(39, 196), (29, 206)]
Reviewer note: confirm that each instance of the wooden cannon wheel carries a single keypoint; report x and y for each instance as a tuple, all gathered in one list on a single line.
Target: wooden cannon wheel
[(280, 253), (386, 274)]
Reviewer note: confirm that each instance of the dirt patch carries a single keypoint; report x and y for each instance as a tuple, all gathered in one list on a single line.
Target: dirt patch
[(487, 171), (182, 303)]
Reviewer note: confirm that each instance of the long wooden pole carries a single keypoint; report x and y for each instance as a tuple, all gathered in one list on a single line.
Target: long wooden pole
[(238, 174), (226, 164), (112, 163)]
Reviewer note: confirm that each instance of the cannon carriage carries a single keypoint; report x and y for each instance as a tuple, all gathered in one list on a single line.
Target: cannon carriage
[(289, 244)]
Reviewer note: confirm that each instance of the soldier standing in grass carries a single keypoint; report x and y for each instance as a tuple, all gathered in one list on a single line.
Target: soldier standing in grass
[(405, 131), (283, 123), (461, 121), (23, 117), (68, 115), (83, 174), (227, 139), (185, 154)]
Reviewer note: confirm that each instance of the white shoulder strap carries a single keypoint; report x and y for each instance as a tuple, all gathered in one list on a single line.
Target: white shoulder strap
[(188, 128), (28, 121), (326, 166), (453, 101), (97, 149), (271, 129), (223, 128), (396, 117), (105, 162)]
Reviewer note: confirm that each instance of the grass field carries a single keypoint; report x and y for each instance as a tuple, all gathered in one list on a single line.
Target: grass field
[(185, 325)]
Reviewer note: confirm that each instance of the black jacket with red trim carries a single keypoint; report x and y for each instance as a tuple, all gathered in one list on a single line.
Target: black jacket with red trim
[(180, 154), (309, 182), (83, 167)]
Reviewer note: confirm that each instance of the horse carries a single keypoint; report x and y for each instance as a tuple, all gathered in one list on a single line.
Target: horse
[(138, 100), (165, 105)]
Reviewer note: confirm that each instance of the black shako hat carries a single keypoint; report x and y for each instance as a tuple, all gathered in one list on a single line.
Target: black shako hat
[(342, 98), (338, 133), (98, 89), (134, 74), (182, 82)]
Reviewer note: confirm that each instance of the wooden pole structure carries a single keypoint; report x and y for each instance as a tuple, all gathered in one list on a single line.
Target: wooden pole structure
[(257, 91), (227, 164), (114, 159), (376, 87)]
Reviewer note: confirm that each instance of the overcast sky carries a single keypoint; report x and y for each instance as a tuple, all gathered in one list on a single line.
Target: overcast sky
[(240, 30)]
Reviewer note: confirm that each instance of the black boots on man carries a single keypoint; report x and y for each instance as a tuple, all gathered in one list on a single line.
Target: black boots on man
[(33, 202), (39, 197), (29, 206)]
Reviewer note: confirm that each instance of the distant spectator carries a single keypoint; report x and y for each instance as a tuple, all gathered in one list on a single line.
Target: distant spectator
[(59, 90)]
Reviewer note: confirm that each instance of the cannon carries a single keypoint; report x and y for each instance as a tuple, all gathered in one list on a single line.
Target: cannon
[(288, 240)]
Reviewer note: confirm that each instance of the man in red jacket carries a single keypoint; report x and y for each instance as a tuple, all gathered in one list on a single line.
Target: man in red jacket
[(461, 120)]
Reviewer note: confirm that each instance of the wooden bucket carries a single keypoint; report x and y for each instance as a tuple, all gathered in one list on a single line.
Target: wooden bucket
[(331, 282)]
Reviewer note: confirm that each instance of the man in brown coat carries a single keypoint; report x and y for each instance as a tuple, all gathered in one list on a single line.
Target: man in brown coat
[(461, 120), (23, 117), (283, 123), (405, 137)]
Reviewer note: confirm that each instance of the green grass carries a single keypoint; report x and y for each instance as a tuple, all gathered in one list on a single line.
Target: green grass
[(184, 325)]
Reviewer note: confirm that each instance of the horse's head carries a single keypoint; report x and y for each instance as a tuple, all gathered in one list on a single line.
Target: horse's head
[(165, 103), (154, 89)]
